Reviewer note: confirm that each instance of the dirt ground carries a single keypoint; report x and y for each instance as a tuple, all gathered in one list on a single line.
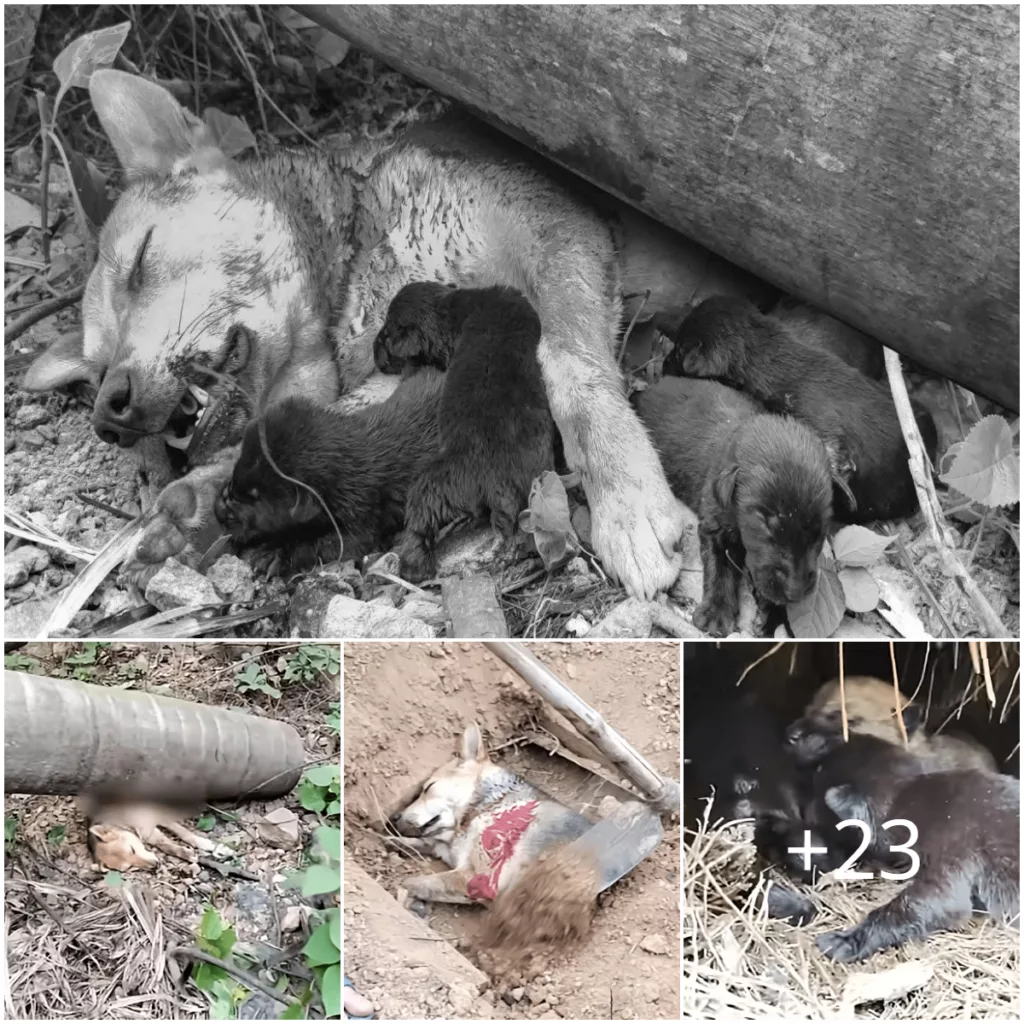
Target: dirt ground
[(404, 706), (78, 947)]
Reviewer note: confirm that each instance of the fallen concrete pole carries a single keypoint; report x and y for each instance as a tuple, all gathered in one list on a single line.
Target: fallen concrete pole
[(67, 737)]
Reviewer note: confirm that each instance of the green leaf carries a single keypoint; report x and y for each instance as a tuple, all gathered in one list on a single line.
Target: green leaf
[(222, 1005), (324, 774), (205, 976), (311, 797), (320, 879), (331, 991), (334, 920), (19, 662), (211, 926), (231, 133), (986, 468), (818, 615), (334, 807), (206, 822), (55, 836), (320, 949), (79, 59), (114, 879), (859, 589), (857, 545), (223, 945), (329, 839), (293, 1011), (10, 829)]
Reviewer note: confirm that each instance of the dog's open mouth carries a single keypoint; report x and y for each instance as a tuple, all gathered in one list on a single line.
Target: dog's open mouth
[(188, 418)]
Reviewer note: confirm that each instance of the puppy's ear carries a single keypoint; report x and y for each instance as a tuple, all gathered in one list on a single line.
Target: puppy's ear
[(841, 467), (724, 485)]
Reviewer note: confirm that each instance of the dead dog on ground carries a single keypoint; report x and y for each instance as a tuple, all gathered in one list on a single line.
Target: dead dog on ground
[(275, 276), (485, 822)]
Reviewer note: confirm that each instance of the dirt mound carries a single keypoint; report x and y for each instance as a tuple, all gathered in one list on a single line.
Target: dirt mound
[(553, 902)]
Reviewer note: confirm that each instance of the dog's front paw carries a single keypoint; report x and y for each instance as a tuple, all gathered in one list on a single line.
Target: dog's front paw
[(715, 620), (846, 946), (636, 525)]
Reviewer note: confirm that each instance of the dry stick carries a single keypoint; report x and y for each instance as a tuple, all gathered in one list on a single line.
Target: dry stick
[(988, 675), (842, 692), (243, 976), (972, 646), (929, 501), (44, 174), (40, 312), (899, 696)]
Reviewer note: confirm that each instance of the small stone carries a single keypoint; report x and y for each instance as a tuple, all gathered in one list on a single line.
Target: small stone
[(29, 416), (32, 440), (467, 552), (26, 621), (48, 433), (654, 944), (348, 618), (25, 162), (233, 578), (178, 586), (570, 671), (631, 618), (22, 563), (462, 999), (517, 993)]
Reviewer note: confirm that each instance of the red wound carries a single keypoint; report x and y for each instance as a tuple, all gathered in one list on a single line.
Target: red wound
[(500, 839)]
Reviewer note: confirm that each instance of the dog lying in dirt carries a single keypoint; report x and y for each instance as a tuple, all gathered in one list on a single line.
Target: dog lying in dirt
[(117, 835), (496, 431), (485, 822), (224, 287)]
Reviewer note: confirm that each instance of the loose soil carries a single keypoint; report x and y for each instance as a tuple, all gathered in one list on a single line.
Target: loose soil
[(404, 706)]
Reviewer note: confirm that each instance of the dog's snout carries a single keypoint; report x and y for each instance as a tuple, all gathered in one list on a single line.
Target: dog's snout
[(795, 733), (117, 417)]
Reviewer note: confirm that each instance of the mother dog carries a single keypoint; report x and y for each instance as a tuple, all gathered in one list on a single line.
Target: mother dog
[(277, 275)]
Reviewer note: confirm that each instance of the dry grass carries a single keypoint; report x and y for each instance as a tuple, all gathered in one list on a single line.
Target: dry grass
[(737, 964)]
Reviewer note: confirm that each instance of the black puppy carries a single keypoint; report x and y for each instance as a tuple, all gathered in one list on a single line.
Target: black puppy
[(761, 485), (727, 338), (496, 429), (968, 837), (361, 463)]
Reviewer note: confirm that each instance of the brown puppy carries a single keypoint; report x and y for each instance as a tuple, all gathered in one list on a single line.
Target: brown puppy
[(726, 337), (761, 486), (871, 711), (361, 463), (968, 838), (495, 426)]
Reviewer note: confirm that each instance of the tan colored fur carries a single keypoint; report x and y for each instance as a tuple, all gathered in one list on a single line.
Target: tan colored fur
[(871, 711)]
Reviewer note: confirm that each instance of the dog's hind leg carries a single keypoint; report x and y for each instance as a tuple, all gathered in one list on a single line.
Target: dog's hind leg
[(437, 497)]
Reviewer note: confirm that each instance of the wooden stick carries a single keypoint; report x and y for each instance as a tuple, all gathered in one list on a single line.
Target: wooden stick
[(928, 500), (989, 689), (662, 792), (899, 696), (40, 312), (842, 693)]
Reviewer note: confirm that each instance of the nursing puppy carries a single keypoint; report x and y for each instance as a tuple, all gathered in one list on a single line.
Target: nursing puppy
[(727, 338), (495, 426), (761, 486), (816, 329), (968, 838), (361, 463)]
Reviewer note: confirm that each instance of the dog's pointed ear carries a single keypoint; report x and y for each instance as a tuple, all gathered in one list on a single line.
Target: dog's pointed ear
[(724, 485), (473, 744), (151, 132), (104, 833)]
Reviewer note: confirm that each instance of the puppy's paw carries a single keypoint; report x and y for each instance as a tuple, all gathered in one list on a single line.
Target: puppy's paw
[(846, 946), (183, 508), (636, 525), (714, 620)]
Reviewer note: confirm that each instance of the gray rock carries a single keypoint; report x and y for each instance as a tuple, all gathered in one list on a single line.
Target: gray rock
[(22, 563), (178, 586), (425, 610), (312, 596), (32, 440), (468, 552), (29, 416), (26, 621), (345, 618), (233, 578), (631, 619)]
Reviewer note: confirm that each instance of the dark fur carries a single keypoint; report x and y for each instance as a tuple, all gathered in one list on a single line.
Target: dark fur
[(727, 338), (361, 463), (496, 429), (968, 826), (816, 329), (761, 486)]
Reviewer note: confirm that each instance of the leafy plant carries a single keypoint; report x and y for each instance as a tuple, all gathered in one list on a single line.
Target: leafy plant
[(320, 789), (253, 678), (333, 717), (985, 467), (82, 665), (56, 835), (18, 662), (844, 583), (310, 660), (10, 831), (547, 517)]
